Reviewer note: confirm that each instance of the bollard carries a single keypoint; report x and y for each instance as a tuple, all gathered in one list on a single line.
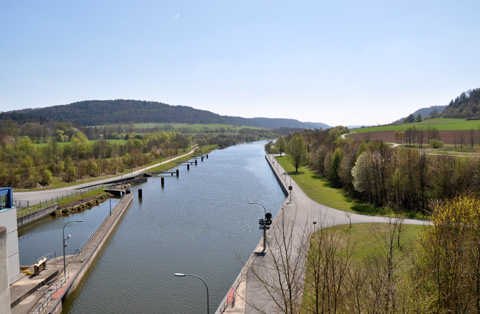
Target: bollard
[(202, 158), (188, 167), (163, 181), (207, 156), (178, 172), (139, 193), (195, 162)]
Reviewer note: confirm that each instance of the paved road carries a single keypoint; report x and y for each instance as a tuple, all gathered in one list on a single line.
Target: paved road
[(35, 197), (296, 219)]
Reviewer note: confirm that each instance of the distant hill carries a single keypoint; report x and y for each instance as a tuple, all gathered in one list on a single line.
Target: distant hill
[(467, 106), (101, 112), (431, 112)]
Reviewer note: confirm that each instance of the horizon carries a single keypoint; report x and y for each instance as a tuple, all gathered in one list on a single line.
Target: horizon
[(335, 63)]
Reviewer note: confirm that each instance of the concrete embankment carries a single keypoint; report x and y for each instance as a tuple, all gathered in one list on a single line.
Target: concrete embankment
[(50, 298), (39, 214), (234, 301), (88, 257)]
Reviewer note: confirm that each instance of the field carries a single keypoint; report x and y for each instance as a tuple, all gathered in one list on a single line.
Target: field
[(187, 127), (461, 137), (452, 131), (121, 142), (440, 124)]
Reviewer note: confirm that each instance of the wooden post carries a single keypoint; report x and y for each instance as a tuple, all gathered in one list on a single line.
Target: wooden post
[(139, 193)]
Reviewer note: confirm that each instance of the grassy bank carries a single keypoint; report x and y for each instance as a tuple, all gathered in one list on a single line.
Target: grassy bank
[(319, 190)]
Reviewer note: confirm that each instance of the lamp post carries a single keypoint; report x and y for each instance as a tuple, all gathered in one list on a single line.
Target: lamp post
[(65, 245), (265, 225), (184, 275)]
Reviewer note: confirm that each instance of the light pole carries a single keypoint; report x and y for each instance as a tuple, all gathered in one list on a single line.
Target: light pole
[(65, 245), (265, 225), (184, 275)]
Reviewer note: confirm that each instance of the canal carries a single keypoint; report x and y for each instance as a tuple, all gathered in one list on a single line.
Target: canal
[(200, 223)]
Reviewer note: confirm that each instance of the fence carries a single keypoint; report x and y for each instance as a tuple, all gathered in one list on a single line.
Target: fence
[(49, 293), (25, 210)]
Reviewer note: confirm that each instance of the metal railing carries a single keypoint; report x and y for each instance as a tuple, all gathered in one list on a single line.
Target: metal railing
[(84, 244), (23, 211), (49, 293), (225, 302)]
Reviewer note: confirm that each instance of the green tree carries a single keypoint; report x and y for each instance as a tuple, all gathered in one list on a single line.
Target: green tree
[(297, 149), (280, 145), (46, 178)]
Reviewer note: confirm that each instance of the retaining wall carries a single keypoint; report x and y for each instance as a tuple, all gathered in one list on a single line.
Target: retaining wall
[(32, 217)]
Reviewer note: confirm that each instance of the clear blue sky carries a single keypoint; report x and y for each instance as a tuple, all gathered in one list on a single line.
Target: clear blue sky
[(337, 62)]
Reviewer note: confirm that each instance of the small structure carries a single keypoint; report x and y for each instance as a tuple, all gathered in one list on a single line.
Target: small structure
[(8, 219)]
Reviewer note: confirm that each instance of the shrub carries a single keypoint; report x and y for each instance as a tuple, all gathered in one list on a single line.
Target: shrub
[(435, 143)]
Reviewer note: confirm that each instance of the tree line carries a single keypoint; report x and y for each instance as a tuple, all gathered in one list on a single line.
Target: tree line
[(403, 179), (70, 155)]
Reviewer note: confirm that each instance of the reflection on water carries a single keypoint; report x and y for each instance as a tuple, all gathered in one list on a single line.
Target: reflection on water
[(45, 236)]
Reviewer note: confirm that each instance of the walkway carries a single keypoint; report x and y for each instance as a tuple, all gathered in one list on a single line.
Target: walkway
[(292, 228)]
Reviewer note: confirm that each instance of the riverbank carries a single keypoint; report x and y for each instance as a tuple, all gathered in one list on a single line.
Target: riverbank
[(55, 290)]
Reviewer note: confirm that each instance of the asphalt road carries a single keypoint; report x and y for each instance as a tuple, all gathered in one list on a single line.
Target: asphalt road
[(35, 197)]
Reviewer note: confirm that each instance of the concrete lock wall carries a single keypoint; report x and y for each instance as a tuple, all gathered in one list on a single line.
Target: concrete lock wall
[(4, 285), (8, 218)]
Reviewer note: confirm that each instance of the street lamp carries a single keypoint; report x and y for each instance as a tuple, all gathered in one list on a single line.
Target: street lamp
[(65, 245), (265, 225), (184, 275)]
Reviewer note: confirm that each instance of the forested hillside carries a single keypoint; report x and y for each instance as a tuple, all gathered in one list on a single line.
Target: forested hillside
[(467, 105), (101, 112)]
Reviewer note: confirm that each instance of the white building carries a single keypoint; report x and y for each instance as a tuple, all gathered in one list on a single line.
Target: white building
[(8, 219)]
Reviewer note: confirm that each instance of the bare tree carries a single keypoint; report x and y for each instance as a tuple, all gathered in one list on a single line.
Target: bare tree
[(281, 272)]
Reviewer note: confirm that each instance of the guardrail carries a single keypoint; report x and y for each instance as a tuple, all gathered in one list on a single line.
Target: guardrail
[(49, 293), (84, 244), (23, 211), (224, 304)]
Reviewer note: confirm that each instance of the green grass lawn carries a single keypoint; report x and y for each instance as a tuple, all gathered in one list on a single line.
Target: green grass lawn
[(365, 242), (319, 190), (441, 124)]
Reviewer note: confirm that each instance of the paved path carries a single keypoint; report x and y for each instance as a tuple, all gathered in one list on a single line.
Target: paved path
[(34, 197), (297, 219)]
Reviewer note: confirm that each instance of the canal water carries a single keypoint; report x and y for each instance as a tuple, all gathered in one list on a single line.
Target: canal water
[(45, 236), (200, 223)]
